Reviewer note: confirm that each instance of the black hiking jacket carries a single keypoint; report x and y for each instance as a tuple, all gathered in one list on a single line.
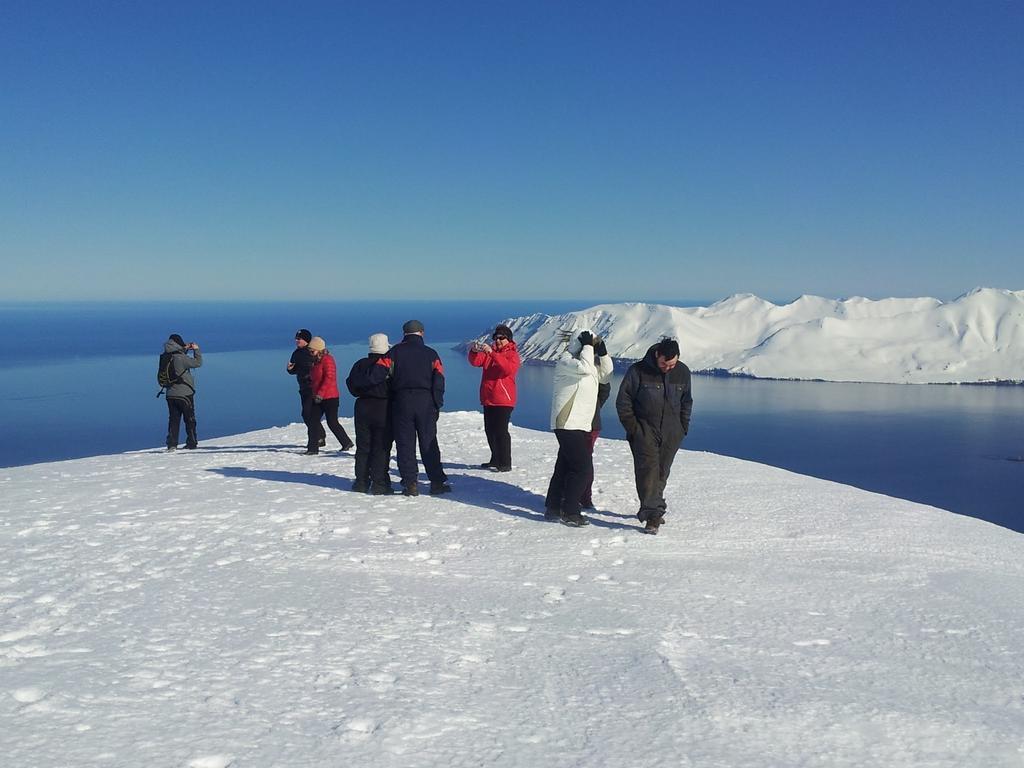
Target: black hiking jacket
[(655, 403)]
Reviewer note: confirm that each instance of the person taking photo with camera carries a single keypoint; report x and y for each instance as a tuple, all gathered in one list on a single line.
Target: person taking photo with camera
[(500, 363), (181, 390), (578, 373)]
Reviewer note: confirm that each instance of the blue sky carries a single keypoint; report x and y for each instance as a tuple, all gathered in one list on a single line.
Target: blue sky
[(651, 150)]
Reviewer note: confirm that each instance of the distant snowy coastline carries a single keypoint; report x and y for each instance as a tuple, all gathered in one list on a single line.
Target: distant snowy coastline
[(976, 339)]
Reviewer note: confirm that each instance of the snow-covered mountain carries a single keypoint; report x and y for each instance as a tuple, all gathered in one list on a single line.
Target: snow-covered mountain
[(979, 337), (238, 606)]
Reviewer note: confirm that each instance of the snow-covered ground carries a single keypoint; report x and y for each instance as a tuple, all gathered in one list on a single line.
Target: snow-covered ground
[(239, 606), (979, 337)]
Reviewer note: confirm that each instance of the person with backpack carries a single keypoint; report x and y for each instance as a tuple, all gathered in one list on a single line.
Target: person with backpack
[(323, 379), (175, 377), (368, 383), (500, 364)]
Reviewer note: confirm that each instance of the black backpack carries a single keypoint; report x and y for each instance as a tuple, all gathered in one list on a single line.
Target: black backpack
[(165, 372)]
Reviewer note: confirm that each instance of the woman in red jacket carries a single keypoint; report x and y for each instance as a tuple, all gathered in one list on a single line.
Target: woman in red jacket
[(324, 379), (500, 364)]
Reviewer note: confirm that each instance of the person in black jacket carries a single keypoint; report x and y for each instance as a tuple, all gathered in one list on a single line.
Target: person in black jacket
[(367, 382), (417, 396), (654, 404), (299, 366)]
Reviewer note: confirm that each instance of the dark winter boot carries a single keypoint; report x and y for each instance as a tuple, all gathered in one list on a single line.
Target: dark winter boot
[(439, 487), (552, 514), (382, 489), (410, 490), (575, 520), (360, 486), (653, 524)]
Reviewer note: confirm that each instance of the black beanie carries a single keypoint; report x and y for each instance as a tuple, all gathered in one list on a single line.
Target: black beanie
[(176, 338), (303, 334), (503, 330)]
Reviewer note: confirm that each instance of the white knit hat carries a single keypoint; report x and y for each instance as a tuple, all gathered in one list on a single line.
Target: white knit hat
[(379, 344), (316, 344)]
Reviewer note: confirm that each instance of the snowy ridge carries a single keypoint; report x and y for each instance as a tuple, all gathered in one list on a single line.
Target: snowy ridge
[(239, 606), (979, 337)]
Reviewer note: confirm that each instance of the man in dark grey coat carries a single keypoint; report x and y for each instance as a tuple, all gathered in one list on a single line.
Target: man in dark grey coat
[(181, 392), (654, 404)]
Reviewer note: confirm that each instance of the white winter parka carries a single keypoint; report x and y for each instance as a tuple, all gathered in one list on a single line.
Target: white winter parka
[(574, 400)]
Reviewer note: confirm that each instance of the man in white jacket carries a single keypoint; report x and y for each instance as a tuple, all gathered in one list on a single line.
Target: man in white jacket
[(579, 370)]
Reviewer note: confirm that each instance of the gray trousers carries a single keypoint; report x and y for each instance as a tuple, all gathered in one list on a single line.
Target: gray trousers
[(652, 462)]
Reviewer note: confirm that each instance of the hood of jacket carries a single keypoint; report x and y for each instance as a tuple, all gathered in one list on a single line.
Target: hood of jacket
[(173, 346)]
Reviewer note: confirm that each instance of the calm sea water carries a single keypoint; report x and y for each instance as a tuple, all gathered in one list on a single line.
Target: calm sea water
[(88, 387)]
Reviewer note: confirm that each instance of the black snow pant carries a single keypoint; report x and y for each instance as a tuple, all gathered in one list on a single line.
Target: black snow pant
[(181, 409), (653, 455), (574, 469), (373, 441), (414, 419), (315, 431), (496, 418), (328, 408)]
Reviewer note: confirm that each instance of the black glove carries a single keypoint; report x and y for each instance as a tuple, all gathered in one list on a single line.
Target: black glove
[(586, 339), (318, 399), (600, 349)]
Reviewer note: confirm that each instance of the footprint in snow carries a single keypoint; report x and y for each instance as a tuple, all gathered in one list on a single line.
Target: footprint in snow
[(554, 595), (381, 681), (211, 761), (28, 695), (356, 729)]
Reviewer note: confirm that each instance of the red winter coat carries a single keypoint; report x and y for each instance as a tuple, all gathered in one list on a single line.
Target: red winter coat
[(324, 378), (498, 383)]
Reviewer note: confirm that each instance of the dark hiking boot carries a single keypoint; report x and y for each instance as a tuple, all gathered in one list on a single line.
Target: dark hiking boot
[(359, 486), (437, 488), (502, 468), (323, 442), (586, 504), (191, 447), (487, 465), (411, 490), (382, 489), (311, 452), (575, 520), (653, 524), (346, 447), (552, 514), (172, 447)]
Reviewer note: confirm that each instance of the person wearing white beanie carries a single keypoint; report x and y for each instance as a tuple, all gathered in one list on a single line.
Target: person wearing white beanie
[(578, 372), (367, 382)]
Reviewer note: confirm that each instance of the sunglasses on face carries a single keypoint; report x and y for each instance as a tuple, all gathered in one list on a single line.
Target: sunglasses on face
[(500, 338)]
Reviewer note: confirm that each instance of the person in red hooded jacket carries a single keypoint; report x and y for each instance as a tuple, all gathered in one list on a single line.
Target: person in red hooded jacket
[(323, 377), (500, 364)]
